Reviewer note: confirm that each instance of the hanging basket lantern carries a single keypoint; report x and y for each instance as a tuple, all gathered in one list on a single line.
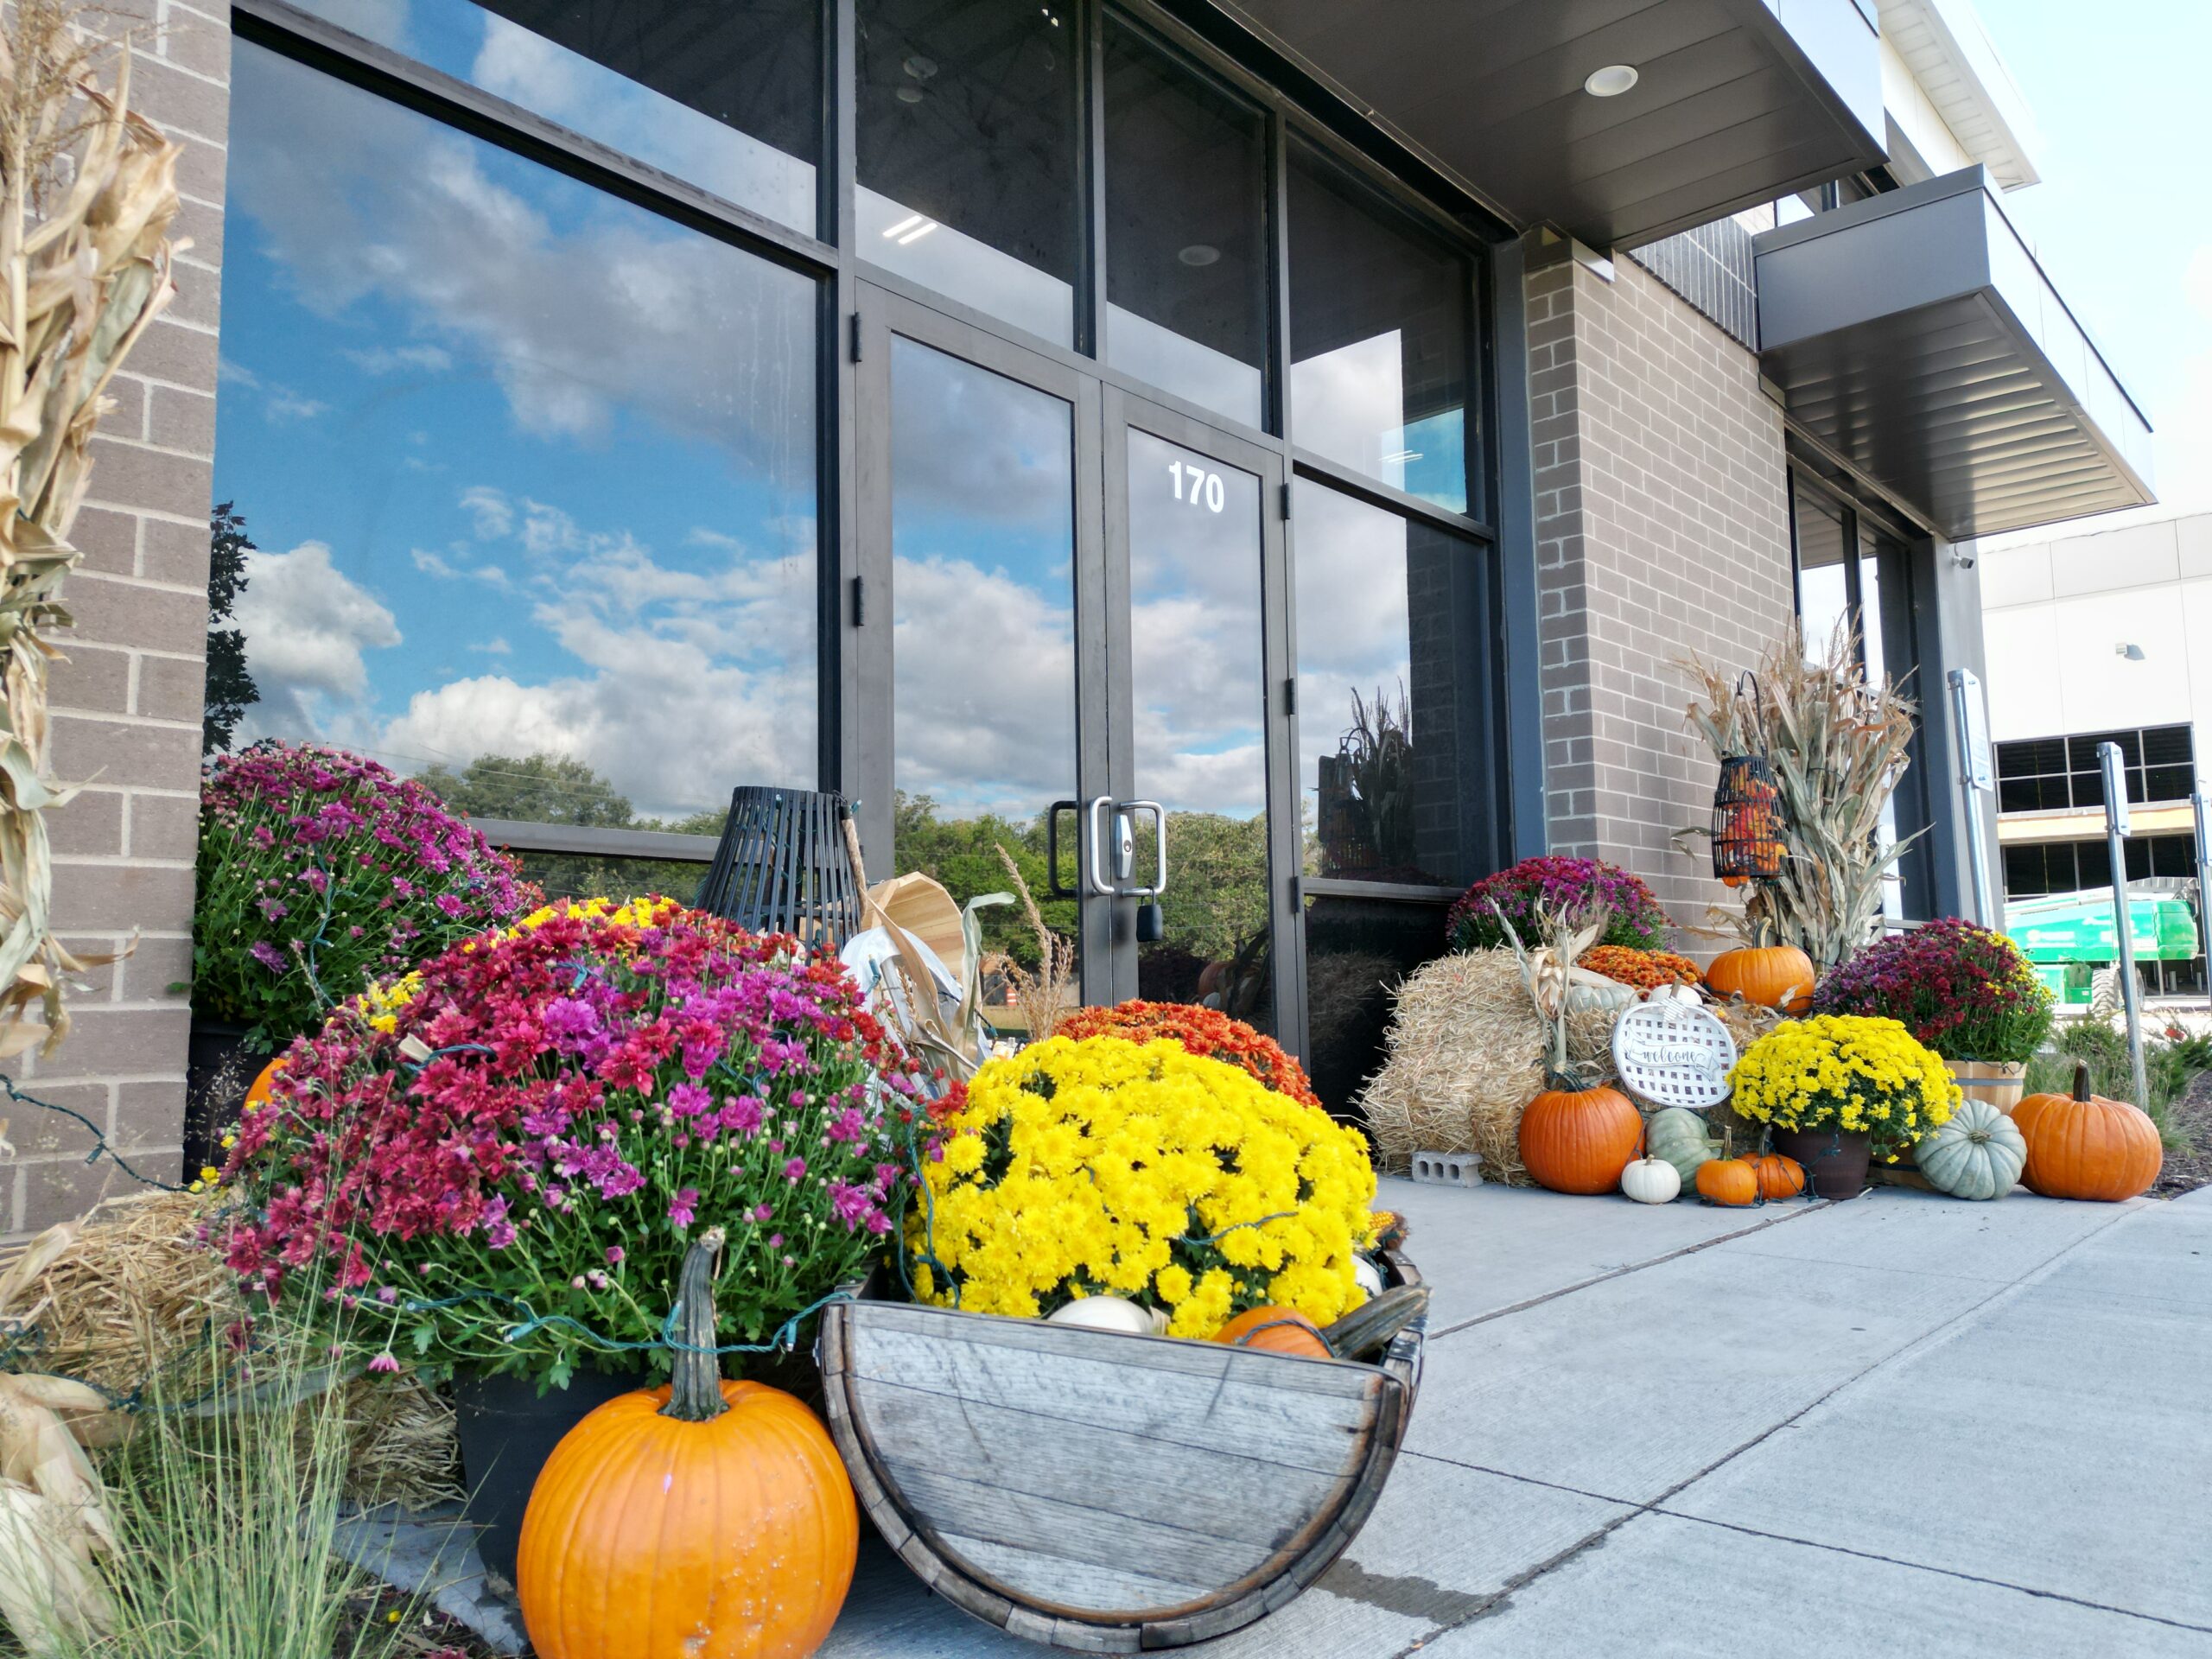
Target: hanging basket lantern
[(1747, 829)]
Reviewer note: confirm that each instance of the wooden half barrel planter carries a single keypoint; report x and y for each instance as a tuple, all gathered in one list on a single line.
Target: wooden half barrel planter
[(1105, 1493)]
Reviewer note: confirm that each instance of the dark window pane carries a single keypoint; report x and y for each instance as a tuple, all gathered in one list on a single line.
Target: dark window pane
[(1379, 332), (727, 97), (2173, 855), (1355, 951), (2026, 872), (1187, 268), (2168, 783), (2089, 788), (968, 142), (2139, 858), (2167, 746), (2092, 865), (1823, 589), (2018, 795), (530, 469), (1394, 706)]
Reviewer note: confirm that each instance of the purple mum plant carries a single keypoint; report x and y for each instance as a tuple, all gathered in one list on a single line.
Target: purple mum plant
[(1563, 885), (321, 871), (1963, 990)]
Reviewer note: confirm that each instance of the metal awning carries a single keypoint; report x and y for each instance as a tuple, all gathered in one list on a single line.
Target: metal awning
[(1737, 102), (1914, 335)]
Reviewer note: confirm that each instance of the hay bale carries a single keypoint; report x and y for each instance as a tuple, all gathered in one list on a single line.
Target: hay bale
[(130, 1293)]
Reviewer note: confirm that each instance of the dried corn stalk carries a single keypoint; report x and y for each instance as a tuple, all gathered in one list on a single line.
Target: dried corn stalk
[(53, 1516), (87, 194), (1837, 742)]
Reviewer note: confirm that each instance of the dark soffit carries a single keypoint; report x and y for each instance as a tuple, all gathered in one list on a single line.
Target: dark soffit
[(1914, 335), (1738, 102)]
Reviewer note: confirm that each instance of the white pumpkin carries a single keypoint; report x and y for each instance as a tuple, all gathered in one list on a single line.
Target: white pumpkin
[(1369, 1275), (1651, 1180), (1687, 993), (1106, 1314)]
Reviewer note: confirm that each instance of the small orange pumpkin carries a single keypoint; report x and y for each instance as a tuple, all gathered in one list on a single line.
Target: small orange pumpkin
[(1728, 1181), (1770, 976), (1579, 1140), (257, 1096), (1277, 1330), (1778, 1177), (703, 1517), (2083, 1146)]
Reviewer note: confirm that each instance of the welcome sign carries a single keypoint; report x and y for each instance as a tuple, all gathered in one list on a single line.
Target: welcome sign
[(1672, 1054)]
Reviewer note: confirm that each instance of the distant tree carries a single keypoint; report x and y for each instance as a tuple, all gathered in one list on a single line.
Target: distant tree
[(535, 788), (231, 690), (1217, 897)]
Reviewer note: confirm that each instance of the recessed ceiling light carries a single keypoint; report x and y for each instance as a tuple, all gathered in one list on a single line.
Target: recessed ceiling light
[(909, 94), (1199, 254), (1611, 81), (919, 68)]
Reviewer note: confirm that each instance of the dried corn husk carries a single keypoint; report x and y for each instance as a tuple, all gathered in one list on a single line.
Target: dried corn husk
[(1838, 744), (87, 193), (53, 1516)]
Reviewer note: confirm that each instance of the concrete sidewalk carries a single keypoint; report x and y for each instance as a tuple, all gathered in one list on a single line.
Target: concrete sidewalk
[(1902, 1425)]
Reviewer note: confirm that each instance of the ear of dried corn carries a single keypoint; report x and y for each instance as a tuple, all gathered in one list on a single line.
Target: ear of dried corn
[(1837, 741), (87, 194)]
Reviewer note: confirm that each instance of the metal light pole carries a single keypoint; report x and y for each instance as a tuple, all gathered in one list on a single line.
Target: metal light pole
[(2116, 830), (2203, 883), (1970, 730)]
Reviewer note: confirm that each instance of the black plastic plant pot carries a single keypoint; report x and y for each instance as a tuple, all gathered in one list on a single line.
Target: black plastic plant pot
[(507, 1430), (1835, 1159), (218, 1068)]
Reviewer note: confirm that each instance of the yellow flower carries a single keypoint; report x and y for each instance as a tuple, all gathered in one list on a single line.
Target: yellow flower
[(1847, 1071)]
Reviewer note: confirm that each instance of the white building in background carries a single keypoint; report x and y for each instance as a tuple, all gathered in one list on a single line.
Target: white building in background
[(2094, 635)]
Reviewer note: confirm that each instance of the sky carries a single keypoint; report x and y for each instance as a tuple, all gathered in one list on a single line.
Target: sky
[(2122, 221)]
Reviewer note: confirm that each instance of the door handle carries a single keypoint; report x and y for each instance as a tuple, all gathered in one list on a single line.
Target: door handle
[(1159, 847), (1100, 881), (1054, 887)]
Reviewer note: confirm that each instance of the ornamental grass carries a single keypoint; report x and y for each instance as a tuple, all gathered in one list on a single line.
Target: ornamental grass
[(1846, 1073), (1098, 1167), (498, 1163), (321, 871), (1201, 1031), (1964, 991)]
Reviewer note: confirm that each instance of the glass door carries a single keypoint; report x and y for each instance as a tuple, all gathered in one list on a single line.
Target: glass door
[(973, 729), (1196, 639)]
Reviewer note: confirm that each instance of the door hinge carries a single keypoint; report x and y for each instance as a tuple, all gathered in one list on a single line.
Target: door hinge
[(1285, 498), (856, 337), (1290, 695), (860, 600)]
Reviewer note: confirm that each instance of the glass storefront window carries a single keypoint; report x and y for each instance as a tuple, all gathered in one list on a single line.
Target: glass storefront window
[(1823, 584), (1380, 327), (1186, 259), (530, 471), (968, 141), (1394, 696), (726, 96)]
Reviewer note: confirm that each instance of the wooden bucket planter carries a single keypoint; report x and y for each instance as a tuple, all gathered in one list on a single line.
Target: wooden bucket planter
[(1103, 1492)]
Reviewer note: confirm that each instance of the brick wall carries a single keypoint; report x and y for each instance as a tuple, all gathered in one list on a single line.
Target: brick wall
[(127, 703), (1661, 530)]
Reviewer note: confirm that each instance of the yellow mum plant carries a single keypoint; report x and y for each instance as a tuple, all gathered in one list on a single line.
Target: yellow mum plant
[(1104, 1166), (1845, 1072)]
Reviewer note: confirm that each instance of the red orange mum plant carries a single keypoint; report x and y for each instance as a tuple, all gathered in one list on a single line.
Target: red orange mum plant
[(1202, 1031)]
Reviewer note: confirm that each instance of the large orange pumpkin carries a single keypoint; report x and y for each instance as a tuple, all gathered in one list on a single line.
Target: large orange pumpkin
[(1278, 1330), (706, 1518), (1727, 1181), (1579, 1140), (1771, 975), (1778, 1177), (2083, 1146)]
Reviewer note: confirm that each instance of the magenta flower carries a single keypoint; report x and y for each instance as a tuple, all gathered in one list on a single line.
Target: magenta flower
[(683, 1209)]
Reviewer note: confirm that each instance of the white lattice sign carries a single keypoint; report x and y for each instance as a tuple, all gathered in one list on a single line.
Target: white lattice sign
[(1672, 1054)]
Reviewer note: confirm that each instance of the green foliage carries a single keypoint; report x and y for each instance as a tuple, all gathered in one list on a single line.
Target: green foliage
[(229, 689)]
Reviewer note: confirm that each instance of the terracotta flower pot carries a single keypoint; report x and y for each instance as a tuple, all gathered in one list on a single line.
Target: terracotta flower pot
[(1834, 1159)]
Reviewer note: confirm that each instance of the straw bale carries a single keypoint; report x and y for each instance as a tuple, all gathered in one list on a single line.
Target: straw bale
[(130, 1293)]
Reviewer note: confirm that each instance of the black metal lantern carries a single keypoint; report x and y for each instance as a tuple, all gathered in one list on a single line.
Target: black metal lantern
[(1747, 829)]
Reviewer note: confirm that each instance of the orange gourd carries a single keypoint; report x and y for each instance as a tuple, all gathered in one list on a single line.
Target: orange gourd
[(2083, 1146), (1771, 975), (257, 1096), (1277, 1330), (1778, 1177), (706, 1518), (1579, 1140), (1728, 1181)]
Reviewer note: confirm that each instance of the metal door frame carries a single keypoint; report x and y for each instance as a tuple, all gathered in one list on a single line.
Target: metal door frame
[(1123, 410)]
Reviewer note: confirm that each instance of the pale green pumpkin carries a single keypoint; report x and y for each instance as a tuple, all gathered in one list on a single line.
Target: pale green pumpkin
[(1979, 1153), (1677, 1135)]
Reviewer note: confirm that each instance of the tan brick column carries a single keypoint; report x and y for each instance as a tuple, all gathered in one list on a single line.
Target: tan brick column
[(1662, 529), (127, 703)]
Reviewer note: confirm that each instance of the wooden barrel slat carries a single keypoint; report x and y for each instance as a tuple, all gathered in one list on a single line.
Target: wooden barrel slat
[(1069, 1582)]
